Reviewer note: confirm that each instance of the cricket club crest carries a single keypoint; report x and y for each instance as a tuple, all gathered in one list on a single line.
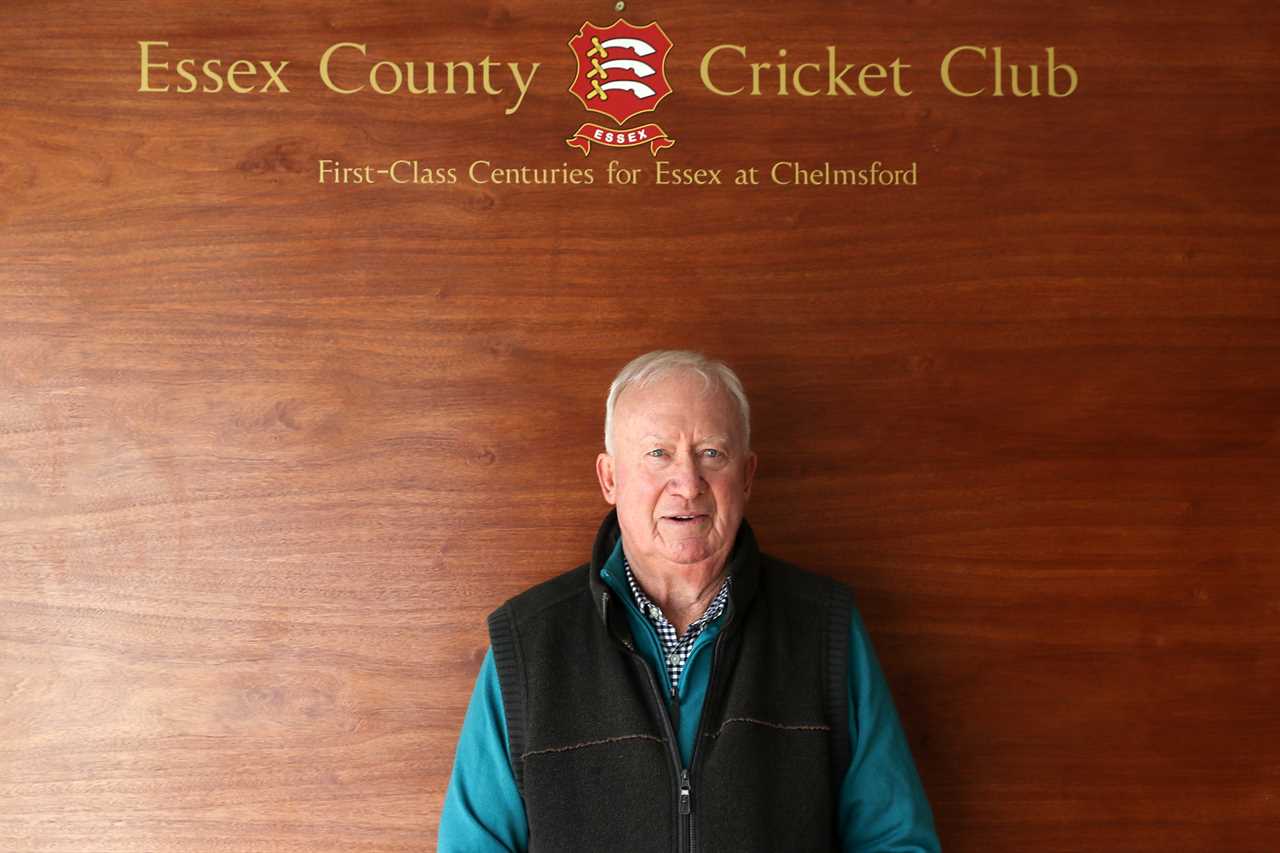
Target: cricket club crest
[(621, 73)]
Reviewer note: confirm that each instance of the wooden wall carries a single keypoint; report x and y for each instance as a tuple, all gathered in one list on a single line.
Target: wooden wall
[(271, 449)]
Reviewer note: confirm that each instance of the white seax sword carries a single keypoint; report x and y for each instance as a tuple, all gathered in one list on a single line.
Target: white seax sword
[(640, 48), (635, 87), (635, 66)]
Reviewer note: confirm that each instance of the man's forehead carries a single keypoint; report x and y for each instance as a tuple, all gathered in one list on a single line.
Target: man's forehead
[(666, 435), (671, 411), (675, 389), (659, 404)]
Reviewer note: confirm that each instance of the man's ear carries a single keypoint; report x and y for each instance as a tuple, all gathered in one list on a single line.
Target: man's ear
[(604, 473), (751, 472)]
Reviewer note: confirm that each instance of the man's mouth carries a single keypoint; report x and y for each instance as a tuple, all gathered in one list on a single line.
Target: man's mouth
[(685, 519)]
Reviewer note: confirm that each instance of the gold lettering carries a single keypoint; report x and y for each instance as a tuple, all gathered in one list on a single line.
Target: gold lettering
[(273, 73), (240, 66), (834, 79), (946, 69), (431, 78), (1052, 75), (1034, 91), (144, 84), (795, 78), (897, 67), (183, 68), (324, 66), (395, 70), (871, 70), (755, 76), (704, 68), (484, 74), (209, 68), (522, 83), (471, 77)]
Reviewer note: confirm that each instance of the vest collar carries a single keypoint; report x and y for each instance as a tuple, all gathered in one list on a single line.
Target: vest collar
[(744, 567)]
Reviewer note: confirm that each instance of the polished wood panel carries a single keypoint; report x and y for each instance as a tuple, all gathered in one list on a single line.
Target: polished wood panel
[(270, 449)]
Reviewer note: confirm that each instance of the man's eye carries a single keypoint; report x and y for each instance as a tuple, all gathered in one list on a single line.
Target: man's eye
[(656, 452), (713, 452)]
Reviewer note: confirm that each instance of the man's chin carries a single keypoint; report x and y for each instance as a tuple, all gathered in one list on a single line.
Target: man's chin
[(687, 552)]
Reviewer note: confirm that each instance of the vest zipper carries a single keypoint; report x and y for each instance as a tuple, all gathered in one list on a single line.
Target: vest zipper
[(702, 720), (686, 805), (686, 834), (693, 838), (684, 817), (682, 788)]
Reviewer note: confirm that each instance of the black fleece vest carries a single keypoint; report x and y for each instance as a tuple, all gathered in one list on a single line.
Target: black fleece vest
[(593, 748)]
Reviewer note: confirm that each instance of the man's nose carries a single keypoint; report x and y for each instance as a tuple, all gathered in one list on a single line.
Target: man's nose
[(686, 478)]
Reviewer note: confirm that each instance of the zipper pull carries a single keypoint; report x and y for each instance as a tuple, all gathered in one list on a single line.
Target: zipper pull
[(685, 797)]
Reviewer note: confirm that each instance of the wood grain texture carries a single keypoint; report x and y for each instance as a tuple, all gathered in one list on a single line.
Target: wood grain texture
[(271, 450)]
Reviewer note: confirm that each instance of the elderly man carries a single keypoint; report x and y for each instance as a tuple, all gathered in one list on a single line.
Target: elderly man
[(682, 690)]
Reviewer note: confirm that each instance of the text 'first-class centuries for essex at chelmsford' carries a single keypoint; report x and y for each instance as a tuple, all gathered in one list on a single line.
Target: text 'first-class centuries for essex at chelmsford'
[(662, 173)]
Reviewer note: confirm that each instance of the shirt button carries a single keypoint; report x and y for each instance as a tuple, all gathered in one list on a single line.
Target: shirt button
[(654, 612), (673, 658)]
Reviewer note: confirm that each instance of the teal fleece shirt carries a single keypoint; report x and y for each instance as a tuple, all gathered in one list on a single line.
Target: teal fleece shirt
[(883, 807)]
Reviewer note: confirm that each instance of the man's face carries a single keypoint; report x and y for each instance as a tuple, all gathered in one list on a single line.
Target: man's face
[(679, 475)]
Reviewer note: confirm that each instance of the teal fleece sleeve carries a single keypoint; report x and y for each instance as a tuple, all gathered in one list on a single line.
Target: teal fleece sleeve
[(883, 807), (483, 811)]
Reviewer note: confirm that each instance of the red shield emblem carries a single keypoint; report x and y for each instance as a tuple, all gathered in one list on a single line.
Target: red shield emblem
[(621, 68)]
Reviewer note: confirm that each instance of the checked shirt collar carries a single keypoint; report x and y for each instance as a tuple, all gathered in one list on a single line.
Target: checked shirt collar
[(675, 650)]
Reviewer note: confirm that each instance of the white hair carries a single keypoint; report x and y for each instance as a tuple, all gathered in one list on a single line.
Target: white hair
[(648, 368)]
